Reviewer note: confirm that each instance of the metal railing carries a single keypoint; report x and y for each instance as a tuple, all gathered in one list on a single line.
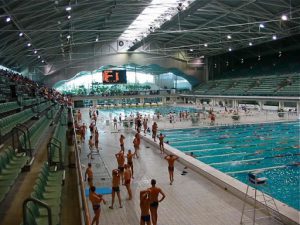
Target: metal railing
[(85, 213)]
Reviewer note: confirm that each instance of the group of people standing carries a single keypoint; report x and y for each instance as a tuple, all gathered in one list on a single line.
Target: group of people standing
[(123, 175)]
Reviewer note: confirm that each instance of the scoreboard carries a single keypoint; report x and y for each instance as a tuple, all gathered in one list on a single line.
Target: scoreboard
[(114, 77)]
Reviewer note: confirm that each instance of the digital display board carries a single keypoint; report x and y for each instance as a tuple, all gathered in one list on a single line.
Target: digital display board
[(114, 77)]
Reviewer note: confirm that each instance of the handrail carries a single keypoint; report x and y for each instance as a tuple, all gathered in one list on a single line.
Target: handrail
[(85, 215), (56, 143), (39, 203)]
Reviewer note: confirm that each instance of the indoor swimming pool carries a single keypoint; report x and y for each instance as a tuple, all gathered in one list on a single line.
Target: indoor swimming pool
[(163, 110), (272, 148)]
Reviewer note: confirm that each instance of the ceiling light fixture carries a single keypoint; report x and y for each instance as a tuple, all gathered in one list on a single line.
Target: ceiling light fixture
[(69, 17), (274, 37), (284, 17), (230, 49), (43, 61), (261, 25), (205, 45), (97, 39), (39, 56), (228, 36), (28, 44), (21, 34), (69, 36), (35, 51), (191, 50), (8, 19), (250, 44), (68, 8)]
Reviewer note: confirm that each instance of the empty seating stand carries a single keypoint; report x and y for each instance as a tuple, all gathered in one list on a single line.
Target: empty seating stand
[(48, 190), (8, 106), (11, 165), (57, 146), (9, 122), (267, 86)]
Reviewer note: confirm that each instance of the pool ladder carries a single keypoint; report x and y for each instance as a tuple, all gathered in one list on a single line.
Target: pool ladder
[(266, 209)]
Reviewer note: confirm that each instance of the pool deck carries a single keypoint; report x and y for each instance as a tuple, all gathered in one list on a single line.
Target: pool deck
[(191, 200)]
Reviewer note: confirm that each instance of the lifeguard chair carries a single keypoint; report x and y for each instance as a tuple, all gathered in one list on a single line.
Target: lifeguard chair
[(262, 206)]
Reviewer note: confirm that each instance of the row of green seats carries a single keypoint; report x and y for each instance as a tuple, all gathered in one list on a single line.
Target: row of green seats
[(11, 165), (28, 102), (60, 135), (48, 189), (8, 106), (37, 129), (9, 122)]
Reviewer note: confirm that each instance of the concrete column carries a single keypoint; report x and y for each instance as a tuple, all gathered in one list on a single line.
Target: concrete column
[(164, 100), (298, 108), (281, 105), (261, 105), (95, 102), (142, 100)]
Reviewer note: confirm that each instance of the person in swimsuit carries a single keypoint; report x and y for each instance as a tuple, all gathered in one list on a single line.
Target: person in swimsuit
[(136, 146), (129, 161), (145, 207), (97, 139), (89, 175), (154, 131), (127, 178), (122, 137), (171, 159), (115, 188), (161, 143), (96, 199), (154, 193), (121, 161)]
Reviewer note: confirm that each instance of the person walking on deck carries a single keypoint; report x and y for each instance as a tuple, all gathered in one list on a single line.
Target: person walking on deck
[(154, 193), (96, 199), (171, 159)]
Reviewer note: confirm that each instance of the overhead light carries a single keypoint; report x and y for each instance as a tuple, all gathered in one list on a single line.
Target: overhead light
[(168, 17), (97, 39), (250, 44), (43, 61), (261, 25), (35, 51), (8, 19), (28, 44), (39, 56), (230, 49), (191, 50), (69, 17), (69, 36), (284, 17), (21, 34), (228, 36), (68, 8), (205, 45), (274, 37)]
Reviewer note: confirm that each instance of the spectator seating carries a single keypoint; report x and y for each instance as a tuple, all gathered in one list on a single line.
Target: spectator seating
[(48, 189), (9, 122), (37, 129), (59, 138), (11, 165), (263, 86), (8, 106)]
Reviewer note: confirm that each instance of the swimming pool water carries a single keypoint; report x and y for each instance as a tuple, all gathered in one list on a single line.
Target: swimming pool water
[(237, 150), (163, 110)]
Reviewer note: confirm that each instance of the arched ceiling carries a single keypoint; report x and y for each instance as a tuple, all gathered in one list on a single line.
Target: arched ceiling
[(199, 30)]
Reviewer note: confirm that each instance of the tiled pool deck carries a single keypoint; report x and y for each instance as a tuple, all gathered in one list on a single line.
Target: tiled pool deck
[(191, 200)]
